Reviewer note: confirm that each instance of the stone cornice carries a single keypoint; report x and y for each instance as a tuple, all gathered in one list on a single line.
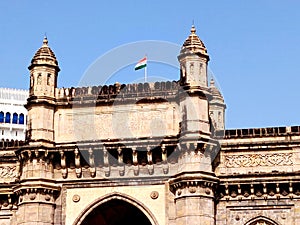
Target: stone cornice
[(264, 190)]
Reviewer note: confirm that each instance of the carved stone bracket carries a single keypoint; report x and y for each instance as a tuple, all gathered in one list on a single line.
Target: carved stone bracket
[(8, 201), (78, 168), (260, 190)]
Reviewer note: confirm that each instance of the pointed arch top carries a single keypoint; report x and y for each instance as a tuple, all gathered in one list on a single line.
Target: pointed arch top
[(261, 220)]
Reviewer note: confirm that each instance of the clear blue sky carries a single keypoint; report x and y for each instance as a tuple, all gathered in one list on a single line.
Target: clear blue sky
[(253, 45)]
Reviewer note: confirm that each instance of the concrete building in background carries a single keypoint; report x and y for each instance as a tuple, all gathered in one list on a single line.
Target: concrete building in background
[(146, 153), (13, 114)]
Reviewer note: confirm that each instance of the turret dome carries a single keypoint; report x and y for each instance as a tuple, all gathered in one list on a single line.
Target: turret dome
[(214, 91), (193, 44), (44, 56)]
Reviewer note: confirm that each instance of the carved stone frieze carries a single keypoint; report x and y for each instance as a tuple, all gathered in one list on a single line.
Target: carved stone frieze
[(8, 172), (253, 160)]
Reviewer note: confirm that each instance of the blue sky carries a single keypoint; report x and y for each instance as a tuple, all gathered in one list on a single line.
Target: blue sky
[(253, 46)]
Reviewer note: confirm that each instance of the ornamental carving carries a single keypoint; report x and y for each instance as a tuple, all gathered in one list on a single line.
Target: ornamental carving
[(154, 194), (76, 198), (253, 160), (8, 172)]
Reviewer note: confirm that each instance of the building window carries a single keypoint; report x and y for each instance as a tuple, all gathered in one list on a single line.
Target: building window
[(1, 117), (49, 79), (16, 133), (7, 117), (15, 118), (39, 79), (31, 81), (21, 118), (2, 132)]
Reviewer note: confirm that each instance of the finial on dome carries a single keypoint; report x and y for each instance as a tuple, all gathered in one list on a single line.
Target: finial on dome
[(45, 41), (193, 29), (212, 82)]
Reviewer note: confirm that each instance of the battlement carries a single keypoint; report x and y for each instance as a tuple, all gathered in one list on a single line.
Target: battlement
[(261, 132), (112, 91)]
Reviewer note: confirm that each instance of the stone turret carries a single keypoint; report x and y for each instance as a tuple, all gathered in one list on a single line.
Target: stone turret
[(217, 107), (37, 190), (43, 83), (195, 183), (193, 59), (43, 72)]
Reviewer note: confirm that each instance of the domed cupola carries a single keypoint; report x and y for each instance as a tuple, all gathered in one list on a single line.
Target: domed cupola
[(194, 45), (43, 72), (44, 57), (214, 91), (42, 94), (193, 59), (217, 107)]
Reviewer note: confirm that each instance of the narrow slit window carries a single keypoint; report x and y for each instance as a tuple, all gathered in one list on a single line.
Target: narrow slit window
[(49, 79)]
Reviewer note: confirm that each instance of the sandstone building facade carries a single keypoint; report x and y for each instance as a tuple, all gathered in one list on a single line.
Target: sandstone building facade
[(147, 153)]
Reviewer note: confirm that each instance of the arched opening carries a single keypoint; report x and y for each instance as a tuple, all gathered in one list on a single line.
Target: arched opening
[(1, 117), (21, 118), (7, 117), (116, 212), (15, 118), (39, 79)]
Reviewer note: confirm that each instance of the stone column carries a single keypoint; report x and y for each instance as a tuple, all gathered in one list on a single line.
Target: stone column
[(37, 190), (194, 199), (36, 205), (194, 186)]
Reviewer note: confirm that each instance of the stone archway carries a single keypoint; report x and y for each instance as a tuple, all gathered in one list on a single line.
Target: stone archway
[(116, 212), (116, 209)]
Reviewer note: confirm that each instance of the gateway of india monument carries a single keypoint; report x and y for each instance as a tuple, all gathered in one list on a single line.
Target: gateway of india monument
[(146, 153)]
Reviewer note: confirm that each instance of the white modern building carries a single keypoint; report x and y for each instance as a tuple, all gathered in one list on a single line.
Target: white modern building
[(13, 114)]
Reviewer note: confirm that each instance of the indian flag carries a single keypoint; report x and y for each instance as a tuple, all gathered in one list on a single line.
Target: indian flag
[(141, 64)]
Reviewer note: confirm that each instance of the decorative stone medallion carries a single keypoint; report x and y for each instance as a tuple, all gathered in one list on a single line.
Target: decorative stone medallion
[(76, 198), (154, 194)]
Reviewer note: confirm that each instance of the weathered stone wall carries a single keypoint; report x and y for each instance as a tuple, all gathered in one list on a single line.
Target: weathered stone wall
[(264, 153), (116, 122), (259, 181)]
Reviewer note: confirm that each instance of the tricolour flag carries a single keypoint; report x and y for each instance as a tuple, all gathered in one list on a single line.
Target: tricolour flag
[(141, 64)]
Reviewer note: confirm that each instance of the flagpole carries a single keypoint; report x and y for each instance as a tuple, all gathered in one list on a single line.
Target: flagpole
[(145, 75)]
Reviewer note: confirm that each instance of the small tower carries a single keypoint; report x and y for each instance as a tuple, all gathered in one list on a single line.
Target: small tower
[(41, 102), (43, 72), (37, 199), (193, 60), (217, 107), (195, 183)]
